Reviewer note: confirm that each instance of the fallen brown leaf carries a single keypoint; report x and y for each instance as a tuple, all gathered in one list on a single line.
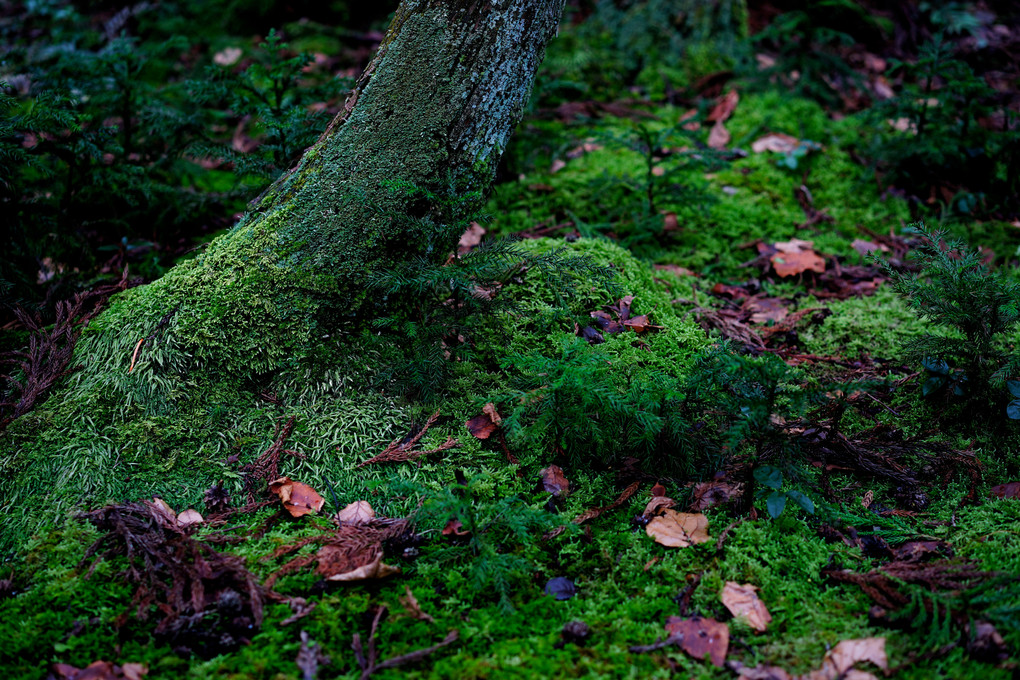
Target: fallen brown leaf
[(297, 498), (743, 603), (189, 517), (678, 529), (358, 512), (1007, 490), (555, 481), (718, 136), (724, 107), (657, 503), (675, 269), (701, 637), (337, 564), (455, 528), (776, 142), (98, 670), (839, 661), (482, 426), (471, 237), (716, 492), (796, 256)]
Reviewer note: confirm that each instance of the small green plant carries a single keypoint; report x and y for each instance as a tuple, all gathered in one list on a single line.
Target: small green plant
[(771, 480), (577, 404), (976, 308), (436, 303), (634, 206), (275, 92), (493, 536)]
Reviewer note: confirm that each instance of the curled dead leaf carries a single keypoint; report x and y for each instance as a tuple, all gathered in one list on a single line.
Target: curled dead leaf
[(657, 503), (678, 529), (744, 603), (297, 498), (339, 564)]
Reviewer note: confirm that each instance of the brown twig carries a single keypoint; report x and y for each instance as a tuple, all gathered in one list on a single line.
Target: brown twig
[(592, 513), (675, 639), (400, 451), (368, 663), (266, 467)]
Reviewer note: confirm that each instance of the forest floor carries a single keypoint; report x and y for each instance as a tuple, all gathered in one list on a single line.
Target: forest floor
[(780, 443)]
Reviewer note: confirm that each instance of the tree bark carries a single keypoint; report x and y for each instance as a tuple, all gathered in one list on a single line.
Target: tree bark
[(433, 111)]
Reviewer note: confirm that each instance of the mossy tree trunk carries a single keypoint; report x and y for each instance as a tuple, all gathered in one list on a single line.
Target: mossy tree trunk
[(433, 111)]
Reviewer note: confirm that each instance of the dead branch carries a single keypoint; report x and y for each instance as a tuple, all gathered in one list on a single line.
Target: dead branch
[(368, 662), (400, 451), (50, 349)]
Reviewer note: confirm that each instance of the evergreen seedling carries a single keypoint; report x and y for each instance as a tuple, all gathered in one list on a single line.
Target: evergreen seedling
[(977, 308)]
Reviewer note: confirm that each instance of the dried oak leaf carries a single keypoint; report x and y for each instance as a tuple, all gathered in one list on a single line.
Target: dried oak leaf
[(678, 529), (339, 564), (482, 426), (795, 257), (358, 512), (555, 481), (297, 498), (701, 637), (743, 603)]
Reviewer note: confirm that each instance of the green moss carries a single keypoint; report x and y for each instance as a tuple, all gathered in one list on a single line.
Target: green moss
[(878, 327)]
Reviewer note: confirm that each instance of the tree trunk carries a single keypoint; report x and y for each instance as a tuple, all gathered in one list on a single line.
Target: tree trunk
[(172, 373), (433, 111)]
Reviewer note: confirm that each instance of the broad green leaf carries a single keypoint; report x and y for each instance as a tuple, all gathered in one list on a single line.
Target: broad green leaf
[(803, 501), (769, 476), (775, 504)]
